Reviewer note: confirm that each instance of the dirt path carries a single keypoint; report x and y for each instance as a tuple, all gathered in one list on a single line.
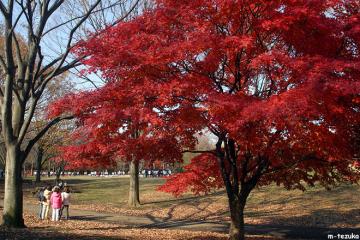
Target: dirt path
[(286, 232)]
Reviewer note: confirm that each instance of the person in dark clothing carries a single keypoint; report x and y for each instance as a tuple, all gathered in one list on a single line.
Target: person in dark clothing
[(41, 198)]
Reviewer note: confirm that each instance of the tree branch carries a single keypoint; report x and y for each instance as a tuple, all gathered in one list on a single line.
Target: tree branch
[(126, 15), (3, 9), (47, 78), (68, 46), (86, 78), (79, 17), (43, 132), (28, 17), (17, 20), (3, 64), (9, 81), (27, 122)]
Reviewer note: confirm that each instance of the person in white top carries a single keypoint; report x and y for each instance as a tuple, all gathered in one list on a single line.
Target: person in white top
[(46, 203), (65, 196)]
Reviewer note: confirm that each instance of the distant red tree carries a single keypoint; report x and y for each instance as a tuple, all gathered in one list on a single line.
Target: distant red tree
[(113, 125), (276, 82)]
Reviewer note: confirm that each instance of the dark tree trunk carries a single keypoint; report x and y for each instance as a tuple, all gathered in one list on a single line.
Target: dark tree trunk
[(134, 193), (57, 175), (239, 182), (237, 226), (13, 198), (38, 165), (57, 179), (18, 101)]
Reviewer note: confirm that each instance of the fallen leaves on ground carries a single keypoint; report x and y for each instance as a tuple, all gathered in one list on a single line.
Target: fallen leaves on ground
[(276, 214), (279, 214), (202, 211), (78, 229)]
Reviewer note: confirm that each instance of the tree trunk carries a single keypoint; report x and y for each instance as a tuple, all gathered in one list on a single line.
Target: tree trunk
[(58, 172), (13, 198), (38, 166), (134, 199), (237, 231)]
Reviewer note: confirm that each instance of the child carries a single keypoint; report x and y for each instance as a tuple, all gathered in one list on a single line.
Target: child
[(65, 196), (56, 203), (46, 202)]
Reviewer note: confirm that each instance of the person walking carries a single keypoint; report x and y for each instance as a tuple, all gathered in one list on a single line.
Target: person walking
[(56, 203), (65, 196), (46, 202)]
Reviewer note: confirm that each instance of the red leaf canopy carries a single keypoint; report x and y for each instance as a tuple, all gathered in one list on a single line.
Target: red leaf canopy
[(278, 78)]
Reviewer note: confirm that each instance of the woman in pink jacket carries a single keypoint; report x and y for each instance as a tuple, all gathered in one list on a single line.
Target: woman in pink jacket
[(56, 203)]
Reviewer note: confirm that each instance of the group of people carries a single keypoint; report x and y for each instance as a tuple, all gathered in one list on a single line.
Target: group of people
[(155, 172), (57, 198)]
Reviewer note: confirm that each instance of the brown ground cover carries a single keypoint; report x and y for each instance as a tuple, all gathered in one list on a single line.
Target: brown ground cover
[(316, 207), (74, 229)]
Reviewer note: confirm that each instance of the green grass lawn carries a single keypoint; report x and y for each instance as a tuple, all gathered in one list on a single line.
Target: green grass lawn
[(271, 204), (114, 190)]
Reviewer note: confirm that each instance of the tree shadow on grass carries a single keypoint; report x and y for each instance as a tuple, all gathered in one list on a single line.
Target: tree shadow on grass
[(196, 220), (186, 199), (95, 218), (317, 225), (326, 218), (198, 210)]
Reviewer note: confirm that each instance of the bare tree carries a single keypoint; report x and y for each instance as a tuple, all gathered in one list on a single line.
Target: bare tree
[(26, 74), (106, 14)]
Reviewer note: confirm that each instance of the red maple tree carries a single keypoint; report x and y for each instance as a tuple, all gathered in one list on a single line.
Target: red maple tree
[(275, 82), (114, 124)]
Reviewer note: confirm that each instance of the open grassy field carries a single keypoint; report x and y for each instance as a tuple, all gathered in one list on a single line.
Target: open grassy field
[(339, 207), (267, 206)]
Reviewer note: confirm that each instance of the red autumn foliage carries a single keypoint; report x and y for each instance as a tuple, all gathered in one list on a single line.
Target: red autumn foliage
[(276, 82), (202, 175), (109, 122)]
